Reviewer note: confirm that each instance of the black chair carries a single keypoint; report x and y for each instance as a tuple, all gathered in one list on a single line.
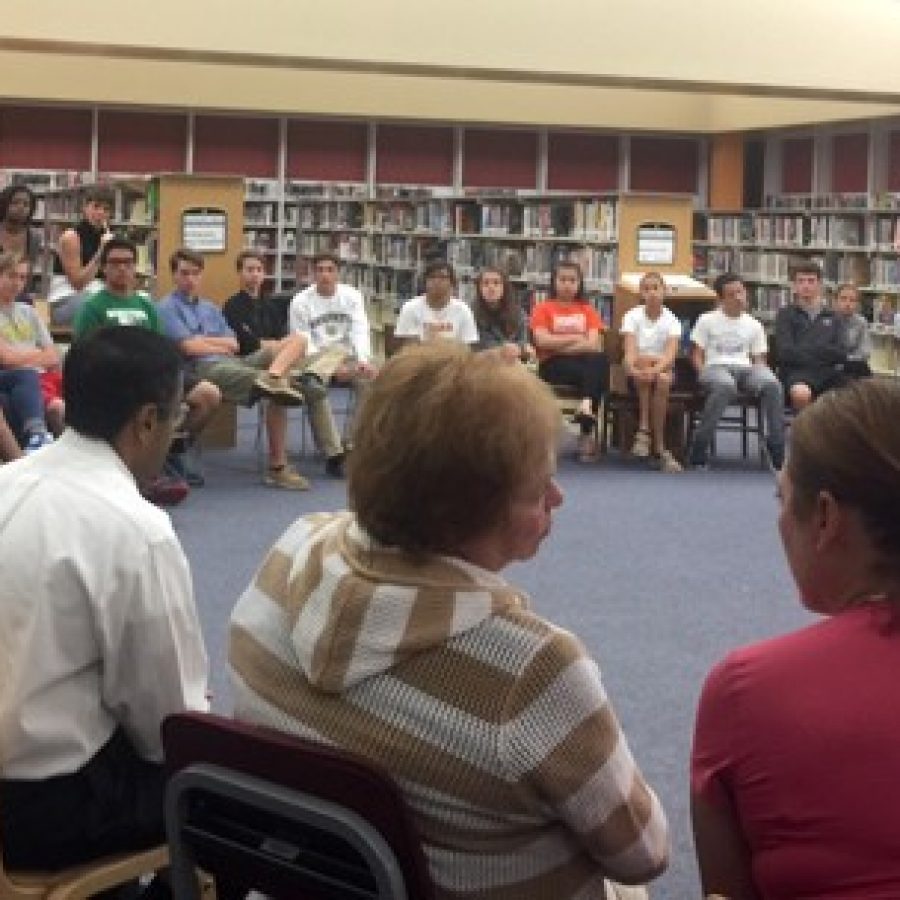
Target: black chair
[(266, 811)]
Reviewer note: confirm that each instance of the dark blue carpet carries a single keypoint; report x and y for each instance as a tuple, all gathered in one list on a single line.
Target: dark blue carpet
[(658, 574)]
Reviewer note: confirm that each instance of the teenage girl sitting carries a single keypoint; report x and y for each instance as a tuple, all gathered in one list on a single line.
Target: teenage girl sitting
[(499, 316), (650, 333), (566, 332)]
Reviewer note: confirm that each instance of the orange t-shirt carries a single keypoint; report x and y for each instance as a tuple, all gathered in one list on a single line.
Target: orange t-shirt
[(576, 318)]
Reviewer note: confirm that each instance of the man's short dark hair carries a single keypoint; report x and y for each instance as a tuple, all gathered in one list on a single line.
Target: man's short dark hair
[(244, 255), (807, 267), (439, 267), (723, 281), (100, 193), (188, 256), (112, 372), (118, 243), (326, 257)]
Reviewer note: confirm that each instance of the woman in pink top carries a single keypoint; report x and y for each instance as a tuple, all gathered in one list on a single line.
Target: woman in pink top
[(795, 774)]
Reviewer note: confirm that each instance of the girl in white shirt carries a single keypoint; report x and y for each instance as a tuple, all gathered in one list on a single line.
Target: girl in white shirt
[(651, 333)]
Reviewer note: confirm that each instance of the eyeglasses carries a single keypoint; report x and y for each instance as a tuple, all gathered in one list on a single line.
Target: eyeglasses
[(119, 261)]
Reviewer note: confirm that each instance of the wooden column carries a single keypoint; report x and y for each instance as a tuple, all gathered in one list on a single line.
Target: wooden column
[(726, 171)]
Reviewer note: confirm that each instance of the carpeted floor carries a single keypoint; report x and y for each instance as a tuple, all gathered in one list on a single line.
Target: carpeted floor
[(659, 575)]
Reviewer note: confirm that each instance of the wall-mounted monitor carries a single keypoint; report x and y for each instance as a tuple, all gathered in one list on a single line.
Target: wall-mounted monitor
[(655, 244)]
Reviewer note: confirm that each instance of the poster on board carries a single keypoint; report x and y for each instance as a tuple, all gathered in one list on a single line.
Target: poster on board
[(204, 230)]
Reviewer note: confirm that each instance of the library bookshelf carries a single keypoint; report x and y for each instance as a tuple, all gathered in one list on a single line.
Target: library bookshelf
[(855, 238)]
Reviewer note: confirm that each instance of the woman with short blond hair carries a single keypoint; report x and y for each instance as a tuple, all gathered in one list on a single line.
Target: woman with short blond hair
[(389, 631)]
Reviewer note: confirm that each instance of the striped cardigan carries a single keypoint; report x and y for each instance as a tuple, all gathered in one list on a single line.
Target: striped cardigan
[(493, 721)]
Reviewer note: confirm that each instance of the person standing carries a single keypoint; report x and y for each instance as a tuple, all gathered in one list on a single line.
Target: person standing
[(99, 636), (729, 353)]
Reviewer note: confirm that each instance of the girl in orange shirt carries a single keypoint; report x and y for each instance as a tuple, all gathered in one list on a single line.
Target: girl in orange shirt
[(566, 332)]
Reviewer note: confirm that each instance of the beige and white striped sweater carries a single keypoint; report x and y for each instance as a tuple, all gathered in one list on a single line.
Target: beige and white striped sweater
[(494, 722)]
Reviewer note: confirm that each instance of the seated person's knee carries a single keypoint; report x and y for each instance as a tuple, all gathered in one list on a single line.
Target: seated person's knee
[(801, 395)]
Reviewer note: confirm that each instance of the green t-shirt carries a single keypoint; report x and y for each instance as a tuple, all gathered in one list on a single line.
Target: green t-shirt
[(104, 308)]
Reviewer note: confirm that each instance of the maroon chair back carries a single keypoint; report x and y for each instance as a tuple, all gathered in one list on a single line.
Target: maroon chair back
[(325, 772)]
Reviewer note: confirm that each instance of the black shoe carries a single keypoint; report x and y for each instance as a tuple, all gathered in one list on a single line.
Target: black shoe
[(334, 466), (775, 454), (697, 459)]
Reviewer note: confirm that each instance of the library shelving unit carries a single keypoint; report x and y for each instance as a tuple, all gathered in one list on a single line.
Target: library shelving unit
[(385, 236), (132, 218), (853, 237), (269, 229)]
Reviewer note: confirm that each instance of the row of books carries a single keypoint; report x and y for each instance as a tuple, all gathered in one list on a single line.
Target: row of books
[(260, 213), (885, 272)]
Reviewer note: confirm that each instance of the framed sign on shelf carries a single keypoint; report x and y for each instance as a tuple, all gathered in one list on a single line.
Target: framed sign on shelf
[(204, 229)]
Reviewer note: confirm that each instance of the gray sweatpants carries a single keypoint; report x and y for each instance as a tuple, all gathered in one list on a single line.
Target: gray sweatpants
[(722, 384)]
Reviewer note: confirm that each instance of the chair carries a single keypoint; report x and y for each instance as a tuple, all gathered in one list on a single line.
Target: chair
[(620, 410), (258, 809), (81, 881), (737, 419)]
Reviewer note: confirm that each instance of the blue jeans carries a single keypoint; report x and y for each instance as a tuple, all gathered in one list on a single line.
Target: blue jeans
[(20, 394)]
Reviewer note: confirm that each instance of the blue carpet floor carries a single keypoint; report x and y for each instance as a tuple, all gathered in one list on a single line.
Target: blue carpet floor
[(659, 575)]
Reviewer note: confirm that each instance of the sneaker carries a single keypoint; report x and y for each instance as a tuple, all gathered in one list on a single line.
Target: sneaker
[(180, 465), (287, 477), (36, 440), (775, 456), (310, 386), (334, 466), (166, 490), (668, 463), (278, 389), (641, 445)]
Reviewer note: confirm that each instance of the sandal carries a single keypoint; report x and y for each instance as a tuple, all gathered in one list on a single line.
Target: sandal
[(668, 463), (641, 445)]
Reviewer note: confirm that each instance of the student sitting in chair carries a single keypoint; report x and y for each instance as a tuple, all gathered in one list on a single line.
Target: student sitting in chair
[(857, 340), (436, 314), (729, 353), (567, 334), (650, 334)]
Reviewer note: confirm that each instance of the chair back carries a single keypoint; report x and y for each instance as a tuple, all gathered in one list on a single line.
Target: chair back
[(259, 809)]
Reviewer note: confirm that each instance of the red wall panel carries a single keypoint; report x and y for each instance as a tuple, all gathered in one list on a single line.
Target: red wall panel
[(326, 151), (408, 154), (796, 165), (141, 142), (664, 164), (850, 163), (45, 138), (501, 159), (582, 162), (228, 145)]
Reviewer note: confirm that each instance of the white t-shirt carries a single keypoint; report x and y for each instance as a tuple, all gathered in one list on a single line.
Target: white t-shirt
[(650, 335), (728, 341), (419, 320), (329, 321)]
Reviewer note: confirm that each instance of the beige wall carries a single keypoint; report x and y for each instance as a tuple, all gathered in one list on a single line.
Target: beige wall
[(566, 62)]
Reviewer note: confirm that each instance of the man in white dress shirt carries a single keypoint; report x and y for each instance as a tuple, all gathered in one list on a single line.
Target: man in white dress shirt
[(99, 637)]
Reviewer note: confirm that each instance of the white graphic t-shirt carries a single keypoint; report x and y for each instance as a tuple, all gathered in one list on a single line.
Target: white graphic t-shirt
[(650, 335), (727, 340), (419, 320)]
